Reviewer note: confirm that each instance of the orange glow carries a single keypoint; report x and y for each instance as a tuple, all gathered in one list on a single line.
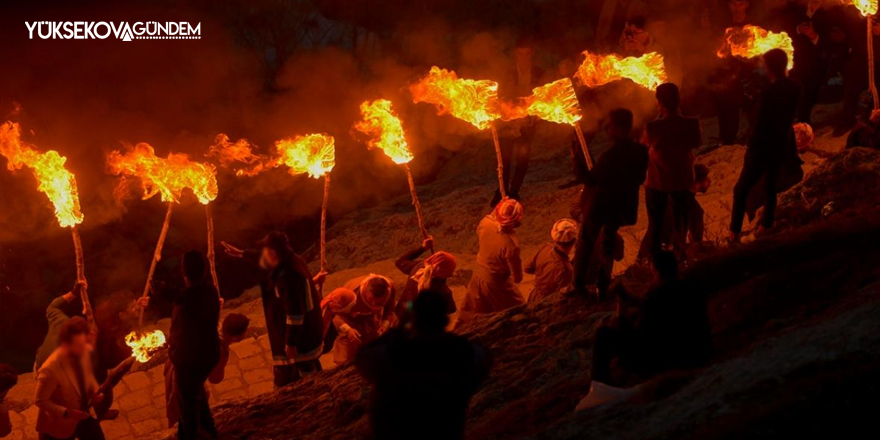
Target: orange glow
[(555, 102), (240, 151), (167, 177), (145, 345), (866, 7), (53, 179), (474, 101), (314, 154), (647, 70), (385, 130), (753, 41)]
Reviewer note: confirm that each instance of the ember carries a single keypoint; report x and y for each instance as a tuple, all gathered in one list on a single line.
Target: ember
[(143, 346), (474, 101), (752, 41), (647, 70)]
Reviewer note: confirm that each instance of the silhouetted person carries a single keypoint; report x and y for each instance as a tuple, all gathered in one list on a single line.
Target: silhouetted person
[(8, 379), (194, 346), (671, 140), (67, 389), (423, 380), (610, 200), (291, 303), (770, 144), (694, 225), (668, 330), (551, 265), (442, 265)]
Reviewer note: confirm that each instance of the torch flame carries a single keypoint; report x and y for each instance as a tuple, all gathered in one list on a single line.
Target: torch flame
[(555, 102), (314, 154), (385, 130), (474, 101), (647, 70), (167, 177), (866, 7), (53, 179), (143, 346), (752, 41), (240, 151)]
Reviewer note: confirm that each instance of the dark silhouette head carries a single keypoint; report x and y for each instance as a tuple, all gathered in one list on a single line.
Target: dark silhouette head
[(668, 97), (194, 267), (776, 62), (276, 250), (234, 327), (429, 312), (666, 265), (620, 123), (376, 290)]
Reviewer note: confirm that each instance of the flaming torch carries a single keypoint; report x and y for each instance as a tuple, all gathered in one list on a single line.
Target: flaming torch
[(868, 8), (167, 177), (474, 101), (315, 155), (648, 70), (144, 345), (752, 41), (385, 130), (57, 183)]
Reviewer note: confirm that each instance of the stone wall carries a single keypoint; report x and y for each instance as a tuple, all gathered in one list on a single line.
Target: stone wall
[(140, 397)]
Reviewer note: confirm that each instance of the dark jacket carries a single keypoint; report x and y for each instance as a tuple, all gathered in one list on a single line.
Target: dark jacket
[(292, 306), (194, 341), (612, 187), (772, 133), (421, 384), (671, 142), (409, 263)]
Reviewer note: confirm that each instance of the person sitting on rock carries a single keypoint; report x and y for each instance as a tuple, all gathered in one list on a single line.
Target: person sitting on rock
[(422, 380), (493, 287), (551, 265), (291, 304), (442, 266), (668, 331), (8, 379), (361, 311)]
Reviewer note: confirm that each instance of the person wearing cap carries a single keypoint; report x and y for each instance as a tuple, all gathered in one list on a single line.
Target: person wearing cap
[(671, 140), (493, 286), (551, 265), (291, 303), (361, 311), (430, 273), (609, 201)]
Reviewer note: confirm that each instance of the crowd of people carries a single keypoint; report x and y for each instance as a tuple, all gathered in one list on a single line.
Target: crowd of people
[(397, 337)]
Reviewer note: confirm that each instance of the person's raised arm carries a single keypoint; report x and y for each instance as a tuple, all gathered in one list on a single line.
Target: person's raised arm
[(408, 261)]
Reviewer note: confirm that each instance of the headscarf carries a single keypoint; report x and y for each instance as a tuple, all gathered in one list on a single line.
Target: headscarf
[(340, 300), (368, 295), (443, 264), (564, 231), (508, 213)]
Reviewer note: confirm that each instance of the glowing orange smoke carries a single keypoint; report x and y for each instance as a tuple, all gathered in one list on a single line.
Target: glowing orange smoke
[(647, 70), (240, 151), (143, 346), (555, 102), (53, 179), (866, 7), (167, 177), (753, 41), (314, 154), (385, 130), (474, 101)]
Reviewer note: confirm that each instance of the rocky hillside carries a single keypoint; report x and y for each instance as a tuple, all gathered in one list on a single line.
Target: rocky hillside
[(794, 315)]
